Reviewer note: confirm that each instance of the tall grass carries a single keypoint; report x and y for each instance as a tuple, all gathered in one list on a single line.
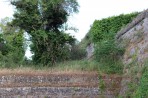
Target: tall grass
[(81, 65), (74, 65)]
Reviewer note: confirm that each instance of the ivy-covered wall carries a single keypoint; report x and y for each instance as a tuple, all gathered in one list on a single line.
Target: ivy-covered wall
[(107, 27)]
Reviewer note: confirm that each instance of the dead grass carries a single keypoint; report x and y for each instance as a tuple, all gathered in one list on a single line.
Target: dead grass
[(31, 71)]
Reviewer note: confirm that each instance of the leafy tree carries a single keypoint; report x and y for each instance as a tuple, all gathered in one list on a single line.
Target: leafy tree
[(11, 42), (43, 20)]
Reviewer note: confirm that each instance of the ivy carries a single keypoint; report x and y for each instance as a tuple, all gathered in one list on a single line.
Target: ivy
[(108, 27), (43, 20), (102, 34)]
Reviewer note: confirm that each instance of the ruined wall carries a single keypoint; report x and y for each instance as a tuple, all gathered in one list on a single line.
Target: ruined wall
[(134, 38), (76, 85)]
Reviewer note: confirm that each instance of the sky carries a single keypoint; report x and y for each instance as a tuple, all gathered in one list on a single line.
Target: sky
[(89, 11)]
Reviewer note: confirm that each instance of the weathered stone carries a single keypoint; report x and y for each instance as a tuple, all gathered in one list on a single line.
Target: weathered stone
[(145, 25), (136, 50), (132, 51), (72, 90), (90, 50), (136, 21)]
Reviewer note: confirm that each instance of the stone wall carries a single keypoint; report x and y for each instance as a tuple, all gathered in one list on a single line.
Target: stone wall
[(135, 22), (134, 38), (76, 85), (49, 92)]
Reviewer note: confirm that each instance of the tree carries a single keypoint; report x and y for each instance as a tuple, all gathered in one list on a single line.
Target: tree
[(43, 20), (11, 42)]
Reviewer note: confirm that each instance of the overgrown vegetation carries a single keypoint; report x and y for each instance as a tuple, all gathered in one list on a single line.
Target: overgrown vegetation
[(77, 65), (12, 48), (44, 21), (52, 45), (102, 34), (138, 85), (142, 89), (109, 57), (67, 66), (107, 28)]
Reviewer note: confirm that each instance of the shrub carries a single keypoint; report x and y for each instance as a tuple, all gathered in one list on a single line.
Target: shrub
[(108, 54)]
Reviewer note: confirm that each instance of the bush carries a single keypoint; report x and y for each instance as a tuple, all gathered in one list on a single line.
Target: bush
[(108, 49), (108, 54)]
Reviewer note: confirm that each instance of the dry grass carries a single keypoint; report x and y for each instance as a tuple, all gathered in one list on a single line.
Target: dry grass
[(31, 71)]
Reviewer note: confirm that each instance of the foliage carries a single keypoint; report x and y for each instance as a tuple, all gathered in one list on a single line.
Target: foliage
[(142, 89), (11, 44), (102, 85), (108, 55), (85, 41), (54, 51), (102, 34), (77, 65), (44, 20), (138, 86), (109, 26), (108, 48)]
